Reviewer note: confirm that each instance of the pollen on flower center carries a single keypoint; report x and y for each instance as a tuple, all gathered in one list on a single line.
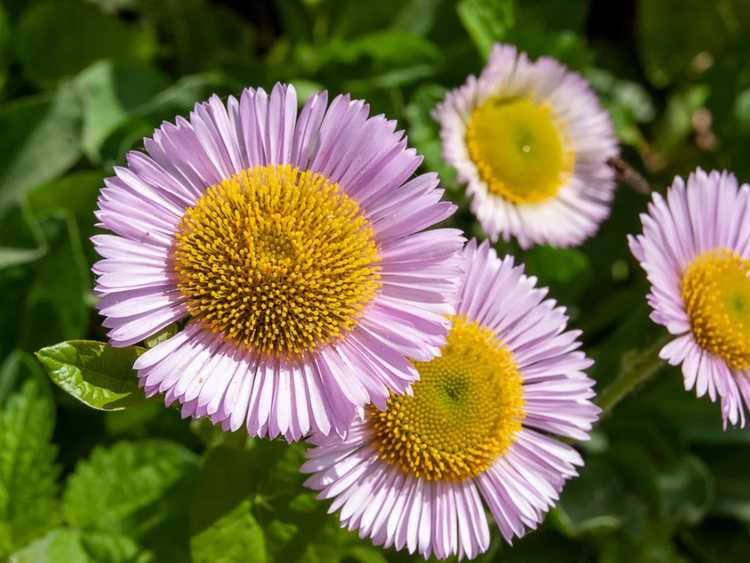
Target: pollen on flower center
[(276, 259), (464, 413), (519, 149), (716, 292)]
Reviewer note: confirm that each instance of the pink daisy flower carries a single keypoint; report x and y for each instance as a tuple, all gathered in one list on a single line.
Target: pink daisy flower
[(475, 433), (291, 248), (531, 142), (695, 249)]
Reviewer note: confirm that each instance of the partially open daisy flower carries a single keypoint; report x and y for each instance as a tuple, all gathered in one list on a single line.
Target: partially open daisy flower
[(695, 249), (531, 142), (292, 250), (476, 430)]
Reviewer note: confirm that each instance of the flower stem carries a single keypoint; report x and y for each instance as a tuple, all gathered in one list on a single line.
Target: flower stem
[(635, 370)]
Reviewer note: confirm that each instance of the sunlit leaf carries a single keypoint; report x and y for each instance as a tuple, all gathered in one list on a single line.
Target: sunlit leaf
[(95, 373)]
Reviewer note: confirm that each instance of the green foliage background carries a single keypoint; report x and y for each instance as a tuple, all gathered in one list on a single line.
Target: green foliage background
[(82, 81)]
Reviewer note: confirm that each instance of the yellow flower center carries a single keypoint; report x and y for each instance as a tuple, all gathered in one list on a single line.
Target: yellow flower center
[(716, 292), (465, 411), (276, 259), (519, 149)]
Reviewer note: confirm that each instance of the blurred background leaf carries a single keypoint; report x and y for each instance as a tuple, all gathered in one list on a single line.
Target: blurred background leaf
[(83, 81)]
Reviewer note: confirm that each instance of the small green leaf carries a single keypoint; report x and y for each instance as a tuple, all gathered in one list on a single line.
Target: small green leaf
[(487, 21), (236, 536), (142, 489), (95, 373), (28, 473)]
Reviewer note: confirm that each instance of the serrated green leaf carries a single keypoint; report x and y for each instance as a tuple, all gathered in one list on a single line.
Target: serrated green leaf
[(95, 373), (28, 474), (140, 489), (486, 21), (65, 545)]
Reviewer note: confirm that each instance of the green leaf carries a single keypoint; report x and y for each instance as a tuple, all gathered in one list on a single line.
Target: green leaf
[(28, 474), (95, 373), (64, 545), (39, 129), (141, 489), (567, 271), (591, 502), (49, 51), (487, 21), (687, 489), (175, 100), (228, 477), (75, 194), (424, 132), (235, 536), (57, 300), (109, 93)]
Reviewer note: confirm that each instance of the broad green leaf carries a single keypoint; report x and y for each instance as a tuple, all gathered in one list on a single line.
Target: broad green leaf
[(95, 373), (109, 93), (387, 50), (65, 545), (49, 51), (141, 489), (487, 21), (235, 536), (178, 99), (39, 129), (28, 474)]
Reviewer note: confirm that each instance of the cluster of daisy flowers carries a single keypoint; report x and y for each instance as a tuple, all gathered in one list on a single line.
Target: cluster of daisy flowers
[(298, 254)]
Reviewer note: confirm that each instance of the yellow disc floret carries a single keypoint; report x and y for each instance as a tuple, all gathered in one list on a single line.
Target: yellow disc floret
[(519, 149), (276, 259), (716, 292), (465, 411)]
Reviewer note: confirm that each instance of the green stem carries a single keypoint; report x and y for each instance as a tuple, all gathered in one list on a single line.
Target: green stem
[(635, 371)]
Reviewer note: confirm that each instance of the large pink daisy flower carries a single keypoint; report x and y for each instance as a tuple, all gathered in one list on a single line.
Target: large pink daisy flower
[(475, 432), (292, 250), (531, 142), (695, 248)]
